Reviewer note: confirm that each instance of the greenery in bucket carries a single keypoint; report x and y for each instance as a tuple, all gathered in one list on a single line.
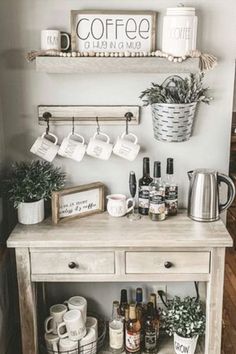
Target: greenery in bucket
[(176, 90), (32, 181), (184, 317)]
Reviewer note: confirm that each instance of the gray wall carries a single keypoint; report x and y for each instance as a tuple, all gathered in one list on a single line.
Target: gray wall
[(22, 89)]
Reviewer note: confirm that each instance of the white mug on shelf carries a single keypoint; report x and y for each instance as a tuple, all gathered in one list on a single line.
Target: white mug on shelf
[(99, 148), (118, 205), (88, 344), (78, 303), (56, 317), (51, 341), (45, 148), (71, 148), (51, 40), (92, 322), (74, 324), (126, 148), (68, 346)]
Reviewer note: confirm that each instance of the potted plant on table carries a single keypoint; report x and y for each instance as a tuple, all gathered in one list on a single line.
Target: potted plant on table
[(174, 105), (185, 320), (29, 184)]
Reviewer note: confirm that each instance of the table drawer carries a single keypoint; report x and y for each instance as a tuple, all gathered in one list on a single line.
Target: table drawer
[(72, 262), (167, 262)]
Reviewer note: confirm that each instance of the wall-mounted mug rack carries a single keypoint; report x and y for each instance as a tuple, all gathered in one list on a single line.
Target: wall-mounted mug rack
[(88, 115)]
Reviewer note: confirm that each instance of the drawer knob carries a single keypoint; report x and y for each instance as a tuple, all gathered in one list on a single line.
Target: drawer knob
[(168, 265), (72, 265)]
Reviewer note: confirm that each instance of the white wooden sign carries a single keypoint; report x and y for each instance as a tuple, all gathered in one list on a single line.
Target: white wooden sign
[(77, 202), (109, 31)]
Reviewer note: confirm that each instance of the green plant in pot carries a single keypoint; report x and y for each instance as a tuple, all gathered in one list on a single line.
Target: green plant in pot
[(185, 320), (28, 184), (174, 105)]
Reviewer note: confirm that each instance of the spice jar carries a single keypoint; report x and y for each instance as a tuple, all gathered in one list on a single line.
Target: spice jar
[(179, 31)]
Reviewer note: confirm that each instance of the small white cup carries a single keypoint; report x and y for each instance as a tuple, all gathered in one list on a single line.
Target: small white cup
[(71, 148), (118, 205), (99, 148), (45, 148), (56, 317), (68, 346), (125, 148), (51, 39), (88, 344), (75, 326), (92, 322), (51, 341), (78, 303)]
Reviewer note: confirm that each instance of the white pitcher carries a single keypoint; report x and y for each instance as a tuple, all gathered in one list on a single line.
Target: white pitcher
[(118, 205)]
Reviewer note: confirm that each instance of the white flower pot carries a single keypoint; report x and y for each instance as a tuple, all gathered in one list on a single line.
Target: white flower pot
[(184, 345), (31, 213)]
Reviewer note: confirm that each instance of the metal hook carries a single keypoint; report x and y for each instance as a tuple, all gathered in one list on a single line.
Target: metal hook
[(98, 126), (46, 117), (128, 117), (73, 125)]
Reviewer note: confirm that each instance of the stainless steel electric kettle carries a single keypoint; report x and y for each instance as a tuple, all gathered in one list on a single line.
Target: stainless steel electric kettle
[(203, 198)]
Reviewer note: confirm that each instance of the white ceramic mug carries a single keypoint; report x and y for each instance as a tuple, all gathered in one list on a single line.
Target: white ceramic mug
[(99, 148), (45, 148), (51, 341), (51, 39), (126, 148), (78, 303), (88, 344), (57, 313), (118, 205), (68, 346), (71, 148), (92, 322), (74, 324)]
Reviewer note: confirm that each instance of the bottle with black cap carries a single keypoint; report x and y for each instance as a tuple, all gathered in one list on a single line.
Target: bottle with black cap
[(157, 210), (171, 189), (144, 182)]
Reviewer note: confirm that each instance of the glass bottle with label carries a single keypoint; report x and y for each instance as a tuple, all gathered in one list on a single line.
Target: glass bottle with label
[(116, 330), (150, 334), (123, 302), (157, 210), (133, 332), (140, 310), (144, 182), (171, 189), (153, 300)]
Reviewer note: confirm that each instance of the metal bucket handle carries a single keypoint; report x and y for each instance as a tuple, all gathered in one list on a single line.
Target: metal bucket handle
[(168, 80)]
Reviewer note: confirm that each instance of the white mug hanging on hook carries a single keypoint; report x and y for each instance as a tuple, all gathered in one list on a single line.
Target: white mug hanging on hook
[(98, 147), (125, 147), (45, 148), (71, 147)]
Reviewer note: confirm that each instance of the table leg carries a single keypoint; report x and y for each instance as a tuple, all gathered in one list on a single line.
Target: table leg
[(214, 303), (27, 302)]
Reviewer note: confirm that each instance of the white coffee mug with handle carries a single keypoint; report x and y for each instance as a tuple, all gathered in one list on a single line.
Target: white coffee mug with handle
[(126, 148), (52, 39), (92, 322), (88, 344), (57, 313), (78, 303), (68, 346), (71, 148), (74, 324), (51, 341), (99, 148), (118, 205), (45, 148)]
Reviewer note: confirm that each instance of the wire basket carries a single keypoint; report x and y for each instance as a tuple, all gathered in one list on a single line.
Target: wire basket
[(90, 348)]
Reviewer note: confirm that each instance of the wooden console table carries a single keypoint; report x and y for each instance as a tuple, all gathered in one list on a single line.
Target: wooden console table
[(105, 249)]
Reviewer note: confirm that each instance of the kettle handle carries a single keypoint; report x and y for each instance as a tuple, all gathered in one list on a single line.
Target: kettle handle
[(231, 191)]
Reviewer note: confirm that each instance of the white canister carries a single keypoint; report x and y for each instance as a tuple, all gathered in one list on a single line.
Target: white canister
[(179, 31)]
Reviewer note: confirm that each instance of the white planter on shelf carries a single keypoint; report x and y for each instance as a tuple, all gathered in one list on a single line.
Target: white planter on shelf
[(31, 213), (185, 345)]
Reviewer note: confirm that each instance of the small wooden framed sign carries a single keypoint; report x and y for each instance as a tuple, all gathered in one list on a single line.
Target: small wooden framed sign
[(78, 202), (113, 31)]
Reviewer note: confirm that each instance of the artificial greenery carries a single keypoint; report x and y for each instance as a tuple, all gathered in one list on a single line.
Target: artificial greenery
[(178, 90), (184, 317), (32, 181)]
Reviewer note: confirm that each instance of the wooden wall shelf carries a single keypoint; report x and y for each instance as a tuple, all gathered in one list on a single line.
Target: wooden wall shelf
[(58, 65)]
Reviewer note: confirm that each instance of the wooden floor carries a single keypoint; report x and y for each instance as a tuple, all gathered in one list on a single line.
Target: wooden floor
[(229, 312)]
